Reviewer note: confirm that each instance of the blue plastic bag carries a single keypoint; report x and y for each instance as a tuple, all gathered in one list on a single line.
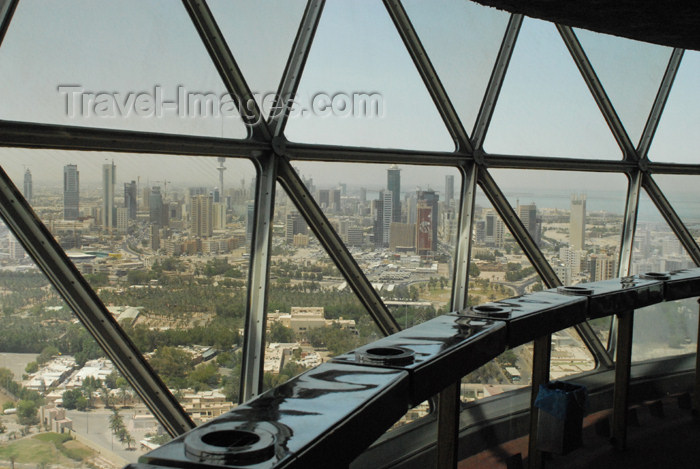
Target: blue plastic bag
[(560, 399)]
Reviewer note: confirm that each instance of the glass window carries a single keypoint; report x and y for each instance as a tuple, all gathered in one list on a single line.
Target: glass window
[(166, 247), (665, 329), (463, 49), (545, 107), (499, 269), (313, 314), (668, 328), (57, 378), (274, 26), (676, 139), (631, 72), (399, 223), (130, 65), (684, 195), (348, 94)]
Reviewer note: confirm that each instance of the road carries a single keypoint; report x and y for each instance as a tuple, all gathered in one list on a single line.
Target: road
[(94, 425), (520, 286)]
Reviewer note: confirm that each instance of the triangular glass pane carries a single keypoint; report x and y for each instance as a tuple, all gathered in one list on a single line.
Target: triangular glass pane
[(170, 262), (474, 34), (545, 107), (377, 210), (656, 248), (631, 73), (242, 20), (46, 353), (677, 139), (129, 65), (500, 270), (312, 313), (668, 328), (349, 93), (576, 220), (683, 193)]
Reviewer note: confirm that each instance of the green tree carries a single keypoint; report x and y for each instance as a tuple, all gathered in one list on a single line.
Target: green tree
[(280, 333), (27, 412), (70, 398), (32, 367), (173, 365)]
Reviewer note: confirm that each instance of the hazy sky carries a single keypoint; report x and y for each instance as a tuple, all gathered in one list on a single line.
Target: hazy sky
[(134, 46)]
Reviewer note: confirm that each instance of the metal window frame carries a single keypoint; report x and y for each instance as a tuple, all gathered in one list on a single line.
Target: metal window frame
[(272, 154)]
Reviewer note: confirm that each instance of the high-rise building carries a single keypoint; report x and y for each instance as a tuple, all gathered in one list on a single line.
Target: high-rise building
[(533, 225), (71, 192), (130, 199), (382, 218), (28, 186), (577, 222), (155, 207), (393, 184), (109, 179), (431, 198), (122, 219), (324, 199), (335, 199), (295, 225), (15, 249), (201, 216), (218, 215), (494, 230), (449, 189), (424, 227), (221, 168)]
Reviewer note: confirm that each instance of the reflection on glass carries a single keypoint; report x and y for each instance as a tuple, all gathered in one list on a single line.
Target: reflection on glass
[(70, 402), (665, 329), (164, 241), (668, 328), (400, 225), (313, 315), (533, 114)]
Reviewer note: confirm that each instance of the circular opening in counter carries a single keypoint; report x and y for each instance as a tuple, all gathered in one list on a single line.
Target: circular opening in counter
[(387, 356), (230, 438), (492, 311), (572, 290), (222, 444), (655, 276)]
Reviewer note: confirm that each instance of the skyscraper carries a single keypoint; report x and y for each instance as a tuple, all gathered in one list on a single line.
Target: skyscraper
[(431, 199), (201, 216), (295, 225), (155, 206), (109, 178), (393, 184), (387, 198), (533, 225), (449, 189), (71, 192), (577, 222), (28, 186), (424, 228), (130, 199)]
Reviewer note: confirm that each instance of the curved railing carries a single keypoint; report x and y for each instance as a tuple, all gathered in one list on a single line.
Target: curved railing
[(331, 414)]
